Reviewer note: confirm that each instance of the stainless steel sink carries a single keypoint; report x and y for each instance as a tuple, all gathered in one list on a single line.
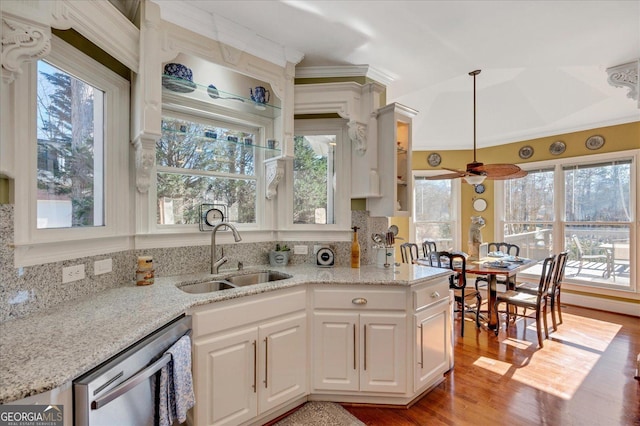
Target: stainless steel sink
[(234, 281), (207, 287), (242, 280)]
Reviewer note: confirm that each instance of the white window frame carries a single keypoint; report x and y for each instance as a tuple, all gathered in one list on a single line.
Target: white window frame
[(186, 112), (37, 246), (456, 228), (342, 197), (559, 216)]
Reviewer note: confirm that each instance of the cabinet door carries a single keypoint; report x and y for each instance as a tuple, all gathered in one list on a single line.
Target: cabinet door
[(225, 383), (282, 361), (433, 342), (335, 366), (383, 358)]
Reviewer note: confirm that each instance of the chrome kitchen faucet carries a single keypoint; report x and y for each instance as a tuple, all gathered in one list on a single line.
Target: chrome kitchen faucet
[(215, 264)]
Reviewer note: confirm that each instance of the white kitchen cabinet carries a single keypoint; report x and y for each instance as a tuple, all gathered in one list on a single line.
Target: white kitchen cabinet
[(283, 354), (226, 378), (249, 357), (360, 349), (394, 162), (433, 342)]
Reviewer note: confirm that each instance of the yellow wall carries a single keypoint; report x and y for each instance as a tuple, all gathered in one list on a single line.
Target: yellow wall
[(617, 138)]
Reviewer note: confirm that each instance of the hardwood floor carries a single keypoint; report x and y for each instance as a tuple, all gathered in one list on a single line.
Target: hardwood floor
[(583, 376)]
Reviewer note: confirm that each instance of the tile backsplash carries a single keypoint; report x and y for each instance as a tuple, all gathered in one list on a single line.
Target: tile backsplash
[(33, 288)]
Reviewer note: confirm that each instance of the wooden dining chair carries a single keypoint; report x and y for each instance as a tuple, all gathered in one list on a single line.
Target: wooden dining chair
[(537, 302), (409, 252), (458, 283), (506, 248), (554, 289), (429, 250)]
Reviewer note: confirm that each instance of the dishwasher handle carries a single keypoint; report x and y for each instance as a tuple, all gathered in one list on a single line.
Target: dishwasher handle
[(130, 383)]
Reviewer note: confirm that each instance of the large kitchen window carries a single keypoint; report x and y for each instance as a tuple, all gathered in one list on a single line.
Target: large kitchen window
[(436, 207), (73, 171), (584, 206), (205, 162)]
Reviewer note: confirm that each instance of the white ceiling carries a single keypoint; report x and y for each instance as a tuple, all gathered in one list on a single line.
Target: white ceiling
[(543, 62)]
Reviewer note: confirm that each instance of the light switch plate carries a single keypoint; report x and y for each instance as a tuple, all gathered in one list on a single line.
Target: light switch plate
[(300, 250), (102, 266)]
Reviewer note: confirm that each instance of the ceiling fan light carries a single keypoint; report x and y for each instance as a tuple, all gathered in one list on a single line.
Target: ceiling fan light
[(475, 179)]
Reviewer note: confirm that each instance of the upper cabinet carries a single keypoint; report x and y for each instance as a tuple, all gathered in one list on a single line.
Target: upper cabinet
[(394, 162)]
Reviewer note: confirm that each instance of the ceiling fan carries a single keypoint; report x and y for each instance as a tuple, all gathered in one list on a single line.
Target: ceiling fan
[(477, 172)]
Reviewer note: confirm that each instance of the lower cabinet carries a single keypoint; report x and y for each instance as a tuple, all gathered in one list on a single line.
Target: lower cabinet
[(359, 352), (244, 372), (433, 343), (363, 350)]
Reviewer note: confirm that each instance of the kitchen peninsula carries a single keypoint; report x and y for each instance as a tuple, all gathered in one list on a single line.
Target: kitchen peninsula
[(47, 350)]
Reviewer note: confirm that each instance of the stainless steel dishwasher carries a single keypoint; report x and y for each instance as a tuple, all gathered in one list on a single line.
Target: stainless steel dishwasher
[(121, 390)]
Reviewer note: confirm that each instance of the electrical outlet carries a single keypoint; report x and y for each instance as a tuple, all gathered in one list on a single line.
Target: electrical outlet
[(300, 250), (102, 266), (72, 273)]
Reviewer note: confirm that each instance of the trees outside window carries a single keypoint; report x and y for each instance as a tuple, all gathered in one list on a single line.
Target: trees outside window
[(70, 160), (202, 162), (585, 208)]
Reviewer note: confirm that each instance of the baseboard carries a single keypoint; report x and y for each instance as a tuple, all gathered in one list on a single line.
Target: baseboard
[(601, 304)]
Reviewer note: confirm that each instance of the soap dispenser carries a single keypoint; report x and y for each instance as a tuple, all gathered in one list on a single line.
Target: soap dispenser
[(355, 249)]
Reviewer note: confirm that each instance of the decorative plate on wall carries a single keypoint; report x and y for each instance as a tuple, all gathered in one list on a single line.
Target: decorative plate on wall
[(526, 152), (594, 142), (557, 148), (434, 159), (479, 204)]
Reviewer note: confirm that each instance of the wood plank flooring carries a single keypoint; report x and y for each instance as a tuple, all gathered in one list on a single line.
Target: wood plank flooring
[(583, 376)]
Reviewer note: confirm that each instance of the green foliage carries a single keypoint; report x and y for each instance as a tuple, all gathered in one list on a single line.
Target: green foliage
[(309, 182)]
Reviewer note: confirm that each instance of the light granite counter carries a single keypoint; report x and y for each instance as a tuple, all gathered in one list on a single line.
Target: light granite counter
[(48, 349)]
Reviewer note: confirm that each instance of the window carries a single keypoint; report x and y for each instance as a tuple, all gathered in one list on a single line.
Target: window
[(436, 209), (319, 176), (314, 179), (529, 213), (204, 161), (70, 177), (584, 207), (74, 177)]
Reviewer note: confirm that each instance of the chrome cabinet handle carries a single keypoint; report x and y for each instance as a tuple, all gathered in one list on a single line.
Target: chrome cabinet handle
[(266, 362), (365, 347), (255, 367), (421, 347), (354, 347), (359, 301), (435, 295)]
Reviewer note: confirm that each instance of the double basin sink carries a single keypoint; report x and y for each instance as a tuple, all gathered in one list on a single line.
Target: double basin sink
[(234, 281)]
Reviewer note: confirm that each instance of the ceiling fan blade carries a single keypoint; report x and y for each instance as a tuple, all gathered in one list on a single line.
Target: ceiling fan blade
[(519, 174), (492, 171), (442, 177), (461, 173)]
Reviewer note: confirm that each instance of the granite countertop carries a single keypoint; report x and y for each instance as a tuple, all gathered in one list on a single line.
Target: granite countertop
[(48, 349)]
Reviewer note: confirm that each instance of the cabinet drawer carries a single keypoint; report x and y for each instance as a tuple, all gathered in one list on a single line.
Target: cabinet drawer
[(431, 294), (359, 298), (246, 310)]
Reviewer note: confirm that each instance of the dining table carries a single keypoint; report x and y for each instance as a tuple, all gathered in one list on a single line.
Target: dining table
[(492, 267)]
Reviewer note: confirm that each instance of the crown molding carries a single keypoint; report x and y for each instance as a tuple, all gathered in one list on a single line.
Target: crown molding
[(226, 31), (344, 71)]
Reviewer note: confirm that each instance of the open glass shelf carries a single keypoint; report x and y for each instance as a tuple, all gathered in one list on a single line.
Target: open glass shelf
[(219, 97), (209, 136)]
